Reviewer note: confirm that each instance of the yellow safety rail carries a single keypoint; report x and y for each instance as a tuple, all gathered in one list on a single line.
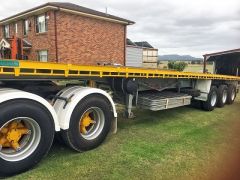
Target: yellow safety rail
[(15, 68)]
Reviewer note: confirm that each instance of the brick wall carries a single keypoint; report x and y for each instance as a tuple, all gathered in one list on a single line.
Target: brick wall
[(42, 41), (83, 40)]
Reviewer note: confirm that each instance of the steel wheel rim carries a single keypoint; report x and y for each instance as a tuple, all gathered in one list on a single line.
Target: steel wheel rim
[(224, 98), (95, 129), (28, 142), (214, 99), (233, 95)]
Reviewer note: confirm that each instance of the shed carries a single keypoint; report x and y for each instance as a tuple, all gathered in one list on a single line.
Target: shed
[(225, 62), (150, 54), (134, 54)]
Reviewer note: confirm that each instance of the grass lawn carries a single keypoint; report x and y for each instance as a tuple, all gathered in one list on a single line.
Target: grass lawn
[(183, 143), (198, 68), (190, 67)]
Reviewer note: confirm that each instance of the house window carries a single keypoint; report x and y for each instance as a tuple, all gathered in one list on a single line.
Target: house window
[(6, 31), (16, 28), (43, 55), (41, 24), (25, 27)]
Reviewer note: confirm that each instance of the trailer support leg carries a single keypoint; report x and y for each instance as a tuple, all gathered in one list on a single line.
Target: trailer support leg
[(128, 111)]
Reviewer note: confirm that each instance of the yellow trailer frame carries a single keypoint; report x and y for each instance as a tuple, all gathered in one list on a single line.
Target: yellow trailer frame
[(20, 68)]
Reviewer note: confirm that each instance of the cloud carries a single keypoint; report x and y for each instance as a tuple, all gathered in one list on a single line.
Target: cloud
[(183, 27)]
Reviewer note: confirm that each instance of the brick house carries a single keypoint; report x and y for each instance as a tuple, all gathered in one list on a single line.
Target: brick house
[(68, 33)]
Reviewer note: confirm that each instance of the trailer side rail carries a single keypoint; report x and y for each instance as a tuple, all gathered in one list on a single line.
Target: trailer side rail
[(15, 68)]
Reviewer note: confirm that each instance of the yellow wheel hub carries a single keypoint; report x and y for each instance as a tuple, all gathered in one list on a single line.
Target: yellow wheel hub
[(11, 133), (85, 122)]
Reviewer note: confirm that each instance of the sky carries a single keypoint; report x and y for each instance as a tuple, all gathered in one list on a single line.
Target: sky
[(186, 27)]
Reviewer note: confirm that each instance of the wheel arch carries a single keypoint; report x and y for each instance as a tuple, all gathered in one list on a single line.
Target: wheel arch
[(74, 95), (7, 94), (204, 86)]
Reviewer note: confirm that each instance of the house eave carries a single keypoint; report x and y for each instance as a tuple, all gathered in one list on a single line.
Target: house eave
[(49, 7), (94, 16), (27, 14)]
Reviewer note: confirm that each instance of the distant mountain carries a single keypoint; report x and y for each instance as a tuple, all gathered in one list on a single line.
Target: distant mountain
[(176, 57)]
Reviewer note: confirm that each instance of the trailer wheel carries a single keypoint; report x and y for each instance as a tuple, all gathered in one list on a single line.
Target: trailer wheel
[(231, 94), (89, 124), (26, 135), (222, 93), (211, 102)]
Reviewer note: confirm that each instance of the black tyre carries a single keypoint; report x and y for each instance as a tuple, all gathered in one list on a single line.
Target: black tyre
[(196, 104), (231, 94), (222, 94), (26, 135), (58, 138), (211, 102), (90, 123)]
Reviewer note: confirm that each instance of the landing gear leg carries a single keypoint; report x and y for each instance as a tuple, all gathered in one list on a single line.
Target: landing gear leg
[(128, 111)]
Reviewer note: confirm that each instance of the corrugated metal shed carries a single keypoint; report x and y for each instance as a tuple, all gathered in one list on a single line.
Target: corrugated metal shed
[(225, 62), (134, 56)]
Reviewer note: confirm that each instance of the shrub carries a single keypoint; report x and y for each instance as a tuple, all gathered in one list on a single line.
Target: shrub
[(179, 66)]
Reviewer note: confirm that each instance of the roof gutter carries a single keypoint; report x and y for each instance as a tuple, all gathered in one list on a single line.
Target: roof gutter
[(33, 12)]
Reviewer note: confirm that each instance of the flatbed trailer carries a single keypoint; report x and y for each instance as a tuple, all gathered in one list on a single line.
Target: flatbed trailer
[(77, 103)]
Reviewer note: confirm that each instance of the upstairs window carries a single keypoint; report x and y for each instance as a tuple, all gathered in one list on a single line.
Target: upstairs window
[(25, 27), (16, 28), (43, 55), (6, 31), (41, 24)]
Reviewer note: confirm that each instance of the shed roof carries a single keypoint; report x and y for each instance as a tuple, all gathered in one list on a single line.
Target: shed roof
[(221, 53), (68, 7), (130, 43), (144, 44)]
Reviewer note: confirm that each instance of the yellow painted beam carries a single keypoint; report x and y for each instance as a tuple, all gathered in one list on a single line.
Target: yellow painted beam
[(39, 69)]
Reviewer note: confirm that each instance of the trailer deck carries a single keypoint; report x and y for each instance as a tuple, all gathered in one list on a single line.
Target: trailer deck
[(41, 70)]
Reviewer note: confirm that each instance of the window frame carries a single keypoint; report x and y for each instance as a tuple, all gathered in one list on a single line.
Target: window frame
[(26, 27), (37, 24), (16, 28), (5, 34), (39, 56)]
